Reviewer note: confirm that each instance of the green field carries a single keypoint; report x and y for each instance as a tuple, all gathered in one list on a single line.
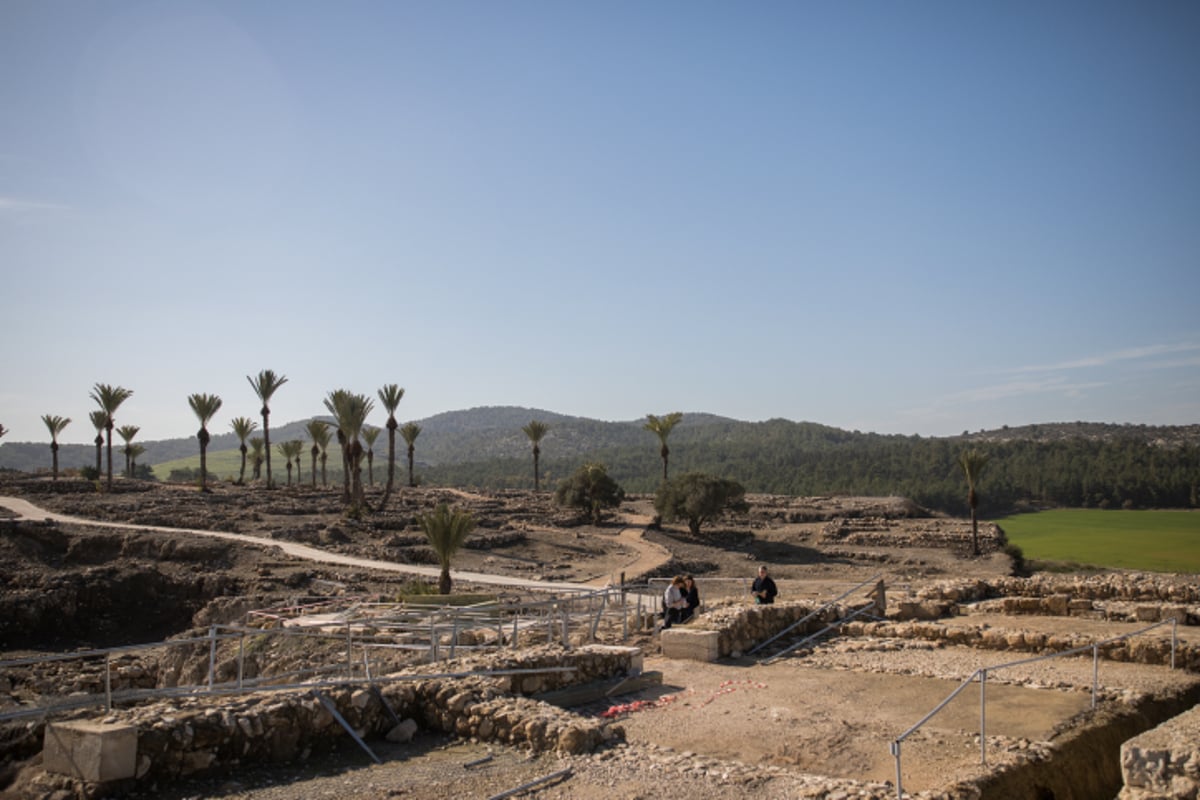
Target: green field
[(1156, 541)]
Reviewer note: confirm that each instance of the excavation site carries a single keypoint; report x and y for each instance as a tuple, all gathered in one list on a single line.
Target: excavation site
[(157, 642)]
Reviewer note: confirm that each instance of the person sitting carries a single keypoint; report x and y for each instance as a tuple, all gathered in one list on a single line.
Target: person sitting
[(692, 596), (674, 602), (764, 589)]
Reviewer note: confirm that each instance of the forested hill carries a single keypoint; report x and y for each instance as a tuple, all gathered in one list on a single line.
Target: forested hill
[(1069, 464)]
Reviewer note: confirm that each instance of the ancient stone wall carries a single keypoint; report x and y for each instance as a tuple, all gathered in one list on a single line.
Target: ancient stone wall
[(1163, 762)]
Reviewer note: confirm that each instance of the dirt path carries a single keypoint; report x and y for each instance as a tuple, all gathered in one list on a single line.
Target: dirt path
[(24, 510)]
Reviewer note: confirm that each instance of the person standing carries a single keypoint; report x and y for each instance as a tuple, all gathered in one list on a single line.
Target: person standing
[(764, 589)]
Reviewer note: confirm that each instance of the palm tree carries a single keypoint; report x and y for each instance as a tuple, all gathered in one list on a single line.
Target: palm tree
[(135, 451), (390, 396), (205, 407), (292, 450), (55, 425), (242, 428), (351, 410), (661, 427), (370, 433), (3, 430), (257, 447), (446, 530), (972, 463), (535, 431), (318, 432), (98, 419), (127, 432), (410, 432), (265, 385), (109, 398)]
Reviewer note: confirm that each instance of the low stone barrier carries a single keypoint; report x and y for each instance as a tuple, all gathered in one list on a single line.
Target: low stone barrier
[(1163, 762), (1142, 650), (207, 733), (1131, 586)]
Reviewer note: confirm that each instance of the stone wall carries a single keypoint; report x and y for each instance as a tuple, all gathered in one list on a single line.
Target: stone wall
[(741, 627), (1163, 762), (208, 733), (1131, 586)]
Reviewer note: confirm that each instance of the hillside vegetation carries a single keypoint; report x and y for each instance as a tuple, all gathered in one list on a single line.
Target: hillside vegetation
[(1063, 464)]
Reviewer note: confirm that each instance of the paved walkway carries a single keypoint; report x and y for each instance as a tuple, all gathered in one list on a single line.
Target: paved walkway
[(25, 510)]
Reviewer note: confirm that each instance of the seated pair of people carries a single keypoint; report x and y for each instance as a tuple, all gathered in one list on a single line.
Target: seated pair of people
[(680, 600)]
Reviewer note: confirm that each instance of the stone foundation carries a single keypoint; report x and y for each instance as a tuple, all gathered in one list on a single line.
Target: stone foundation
[(1164, 763)]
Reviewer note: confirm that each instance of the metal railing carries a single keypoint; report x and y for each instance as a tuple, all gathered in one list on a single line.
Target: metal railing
[(982, 674)]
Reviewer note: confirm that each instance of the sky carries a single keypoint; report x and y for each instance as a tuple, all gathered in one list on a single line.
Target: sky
[(913, 218)]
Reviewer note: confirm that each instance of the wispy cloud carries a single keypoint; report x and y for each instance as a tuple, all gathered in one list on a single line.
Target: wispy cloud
[(1125, 354), (17, 205), (1009, 389)]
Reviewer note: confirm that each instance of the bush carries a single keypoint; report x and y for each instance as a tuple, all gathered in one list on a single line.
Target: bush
[(697, 498), (590, 489)]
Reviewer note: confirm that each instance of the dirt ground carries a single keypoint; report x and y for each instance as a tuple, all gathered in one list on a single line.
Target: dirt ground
[(729, 729)]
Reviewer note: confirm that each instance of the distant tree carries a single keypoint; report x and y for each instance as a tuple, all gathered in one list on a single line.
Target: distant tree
[(127, 432), (205, 407), (446, 530), (661, 427), (242, 428), (351, 410), (698, 498), (370, 434), (590, 489), (99, 421), (55, 425), (318, 433), (390, 396), (136, 451), (292, 450), (972, 463), (265, 384), (3, 430), (257, 446), (410, 432), (535, 431), (109, 398)]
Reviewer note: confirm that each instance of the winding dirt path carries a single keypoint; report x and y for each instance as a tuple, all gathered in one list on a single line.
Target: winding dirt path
[(650, 555)]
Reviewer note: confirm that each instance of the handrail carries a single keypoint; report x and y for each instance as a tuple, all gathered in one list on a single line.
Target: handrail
[(982, 673)]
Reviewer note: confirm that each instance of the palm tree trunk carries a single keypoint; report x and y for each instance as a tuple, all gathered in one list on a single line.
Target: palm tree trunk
[(110, 456), (99, 453), (203, 467), (444, 580), (316, 451), (266, 412), (411, 481), (387, 492), (242, 474), (54, 458), (536, 477)]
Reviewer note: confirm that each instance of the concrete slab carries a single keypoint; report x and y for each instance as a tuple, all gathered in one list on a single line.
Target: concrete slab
[(90, 750), (696, 645)]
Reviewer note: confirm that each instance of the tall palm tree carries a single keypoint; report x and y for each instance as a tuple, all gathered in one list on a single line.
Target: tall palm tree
[(446, 530), (55, 425), (257, 446), (109, 398), (351, 410), (242, 428), (661, 427), (370, 433), (265, 384), (99, 419), (127, 432), (205, 407), (410, 432), (535, 431), (318, 432), (390, 396), (972, 463)]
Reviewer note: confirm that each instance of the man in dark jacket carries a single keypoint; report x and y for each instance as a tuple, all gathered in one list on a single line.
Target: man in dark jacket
[(764, 590)]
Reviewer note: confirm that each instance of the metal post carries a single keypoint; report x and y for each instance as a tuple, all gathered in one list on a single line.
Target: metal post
[(349, 649), (899, 784), (241, 658), (516, 619), (983, 717), (107, 682), (212, 655), (1095, 673), (1174, 639), (453, 633), (565, 638)]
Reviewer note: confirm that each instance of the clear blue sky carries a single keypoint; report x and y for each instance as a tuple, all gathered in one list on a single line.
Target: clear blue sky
[(918, 217)]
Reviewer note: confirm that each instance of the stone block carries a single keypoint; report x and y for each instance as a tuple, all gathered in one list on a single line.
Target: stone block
[(90, 751), (696, 645)]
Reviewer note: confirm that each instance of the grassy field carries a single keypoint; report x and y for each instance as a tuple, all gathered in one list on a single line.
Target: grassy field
[(1155, 541)]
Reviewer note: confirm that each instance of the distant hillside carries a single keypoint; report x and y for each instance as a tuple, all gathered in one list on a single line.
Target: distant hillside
[(1071, 464)]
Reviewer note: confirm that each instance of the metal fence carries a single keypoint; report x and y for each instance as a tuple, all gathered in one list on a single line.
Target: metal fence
[(981, 675)]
